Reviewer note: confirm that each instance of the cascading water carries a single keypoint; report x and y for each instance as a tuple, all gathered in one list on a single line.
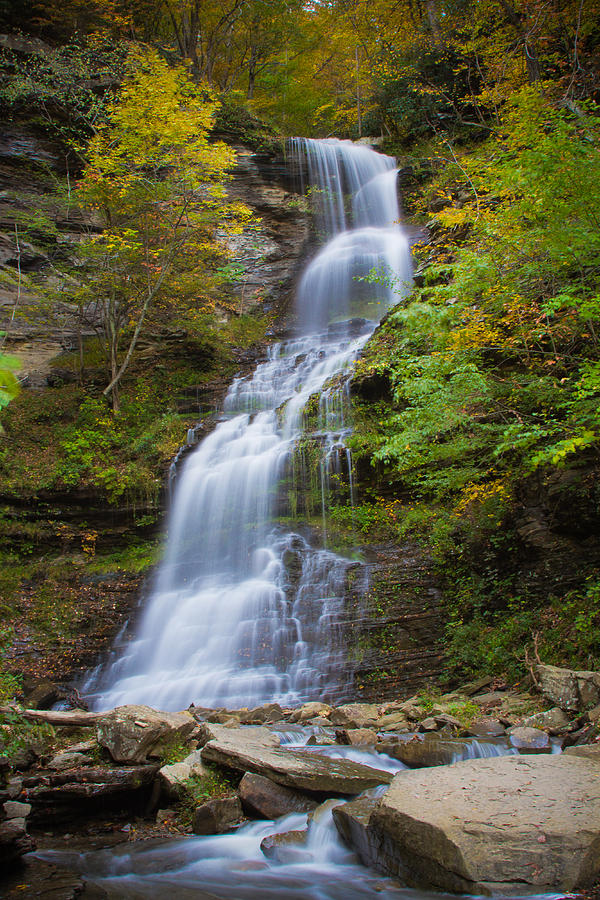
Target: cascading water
[(243, 610)]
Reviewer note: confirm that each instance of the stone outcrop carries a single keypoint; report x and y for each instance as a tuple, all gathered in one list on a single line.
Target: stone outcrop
[(529, 740), (132, 733), (571, 690), (173, 779), (265, 798), (286, 847), (217, 816), (79, 785), (492, 823), (256, 735), (421, 752), (396, 622), (302, 770), (352, 821)]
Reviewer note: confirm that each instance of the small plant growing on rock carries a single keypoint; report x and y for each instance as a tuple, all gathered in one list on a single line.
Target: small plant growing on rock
[(174, 748), (201, 788)]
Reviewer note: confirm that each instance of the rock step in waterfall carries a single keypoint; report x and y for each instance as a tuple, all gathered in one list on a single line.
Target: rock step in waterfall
[(245, 610)]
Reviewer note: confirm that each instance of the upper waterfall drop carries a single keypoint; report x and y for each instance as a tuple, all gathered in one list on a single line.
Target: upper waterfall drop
[(244, 610), (355, 199)]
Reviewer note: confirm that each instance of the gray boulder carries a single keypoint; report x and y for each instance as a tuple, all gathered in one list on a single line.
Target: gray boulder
[(356, 737), (265, 798), (529, 740), (286, 847), (554, 721), (173, 779), (132, 733), (394, 721), (572, 690), (428, 724), (486, 726), (352, 822), (267, 714), (63, 761), (494, 824), (299, 769), (256, 734), (15, 810), (424, 751), (310, 711), (355, 715), (217, 816)]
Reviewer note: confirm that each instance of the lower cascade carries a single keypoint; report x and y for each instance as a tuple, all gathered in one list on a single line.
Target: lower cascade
[(245, 610)]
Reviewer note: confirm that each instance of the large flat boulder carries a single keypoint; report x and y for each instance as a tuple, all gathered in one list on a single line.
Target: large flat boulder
[(256, 734), (494, 824), (303, 770), (132, 733), (572, 690)]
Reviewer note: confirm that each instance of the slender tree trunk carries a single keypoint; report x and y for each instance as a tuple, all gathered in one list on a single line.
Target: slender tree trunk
[(358, 107), (532, 62), (434, 21), (251, 73)]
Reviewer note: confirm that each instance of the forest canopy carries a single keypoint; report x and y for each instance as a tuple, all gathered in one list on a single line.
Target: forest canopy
[(402, 69)]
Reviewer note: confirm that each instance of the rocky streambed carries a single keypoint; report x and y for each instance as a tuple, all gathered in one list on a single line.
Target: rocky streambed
[(479, 791)]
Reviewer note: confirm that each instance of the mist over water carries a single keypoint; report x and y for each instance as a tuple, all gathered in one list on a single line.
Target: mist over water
[(245, 610)]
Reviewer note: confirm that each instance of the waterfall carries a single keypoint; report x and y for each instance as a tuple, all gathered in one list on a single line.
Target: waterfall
[(245, 610)]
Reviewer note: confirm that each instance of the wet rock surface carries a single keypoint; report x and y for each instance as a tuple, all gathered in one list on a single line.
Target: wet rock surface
[(285, 847)]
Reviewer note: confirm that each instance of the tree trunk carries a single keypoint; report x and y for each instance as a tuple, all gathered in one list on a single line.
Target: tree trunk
[(55, 717), (358, 109), (251, 73), (434, 22)]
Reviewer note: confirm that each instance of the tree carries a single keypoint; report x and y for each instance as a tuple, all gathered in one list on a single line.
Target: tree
[(154, 185), (9, 384)]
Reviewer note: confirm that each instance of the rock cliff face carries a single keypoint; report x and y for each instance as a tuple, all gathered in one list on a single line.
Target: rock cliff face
[(269, 255), (32, 172), (392, 631), (396, 625)]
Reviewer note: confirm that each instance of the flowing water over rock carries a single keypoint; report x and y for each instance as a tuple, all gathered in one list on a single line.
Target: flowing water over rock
[(245, 610), (317, 866)]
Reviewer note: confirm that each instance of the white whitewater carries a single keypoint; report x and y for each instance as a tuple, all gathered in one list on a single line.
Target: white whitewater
[(245, 610)]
